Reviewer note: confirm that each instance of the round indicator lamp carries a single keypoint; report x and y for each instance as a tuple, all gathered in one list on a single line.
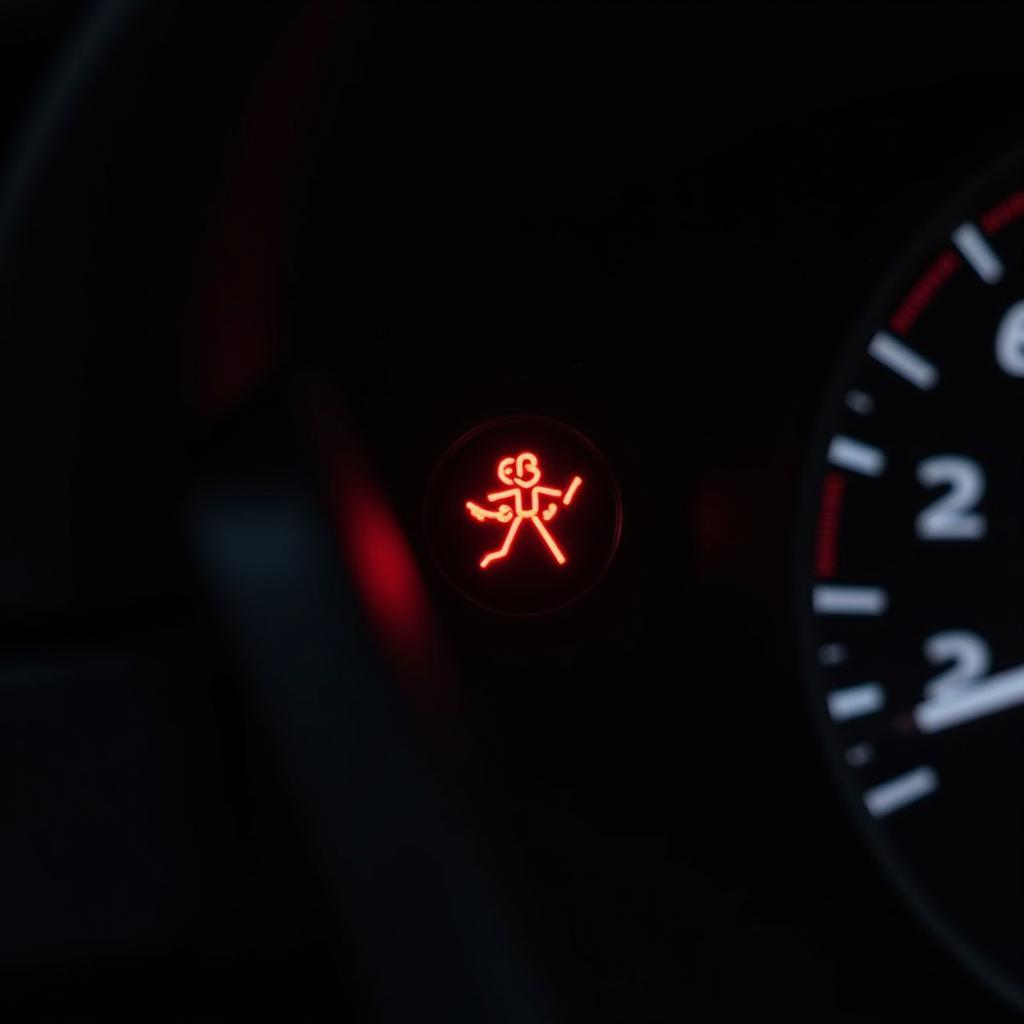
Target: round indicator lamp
[(523, 515)]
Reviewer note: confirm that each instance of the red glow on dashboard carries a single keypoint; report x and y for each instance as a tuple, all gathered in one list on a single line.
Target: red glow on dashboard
[(240, 340), (388, 581), (832, 494), (521, 502), (382, 566), (382, 563)]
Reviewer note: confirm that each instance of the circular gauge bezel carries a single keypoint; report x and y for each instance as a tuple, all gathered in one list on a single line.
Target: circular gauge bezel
[(925, 242)]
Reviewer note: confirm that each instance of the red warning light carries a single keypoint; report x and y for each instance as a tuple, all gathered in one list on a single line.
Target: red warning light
[(542, 546), (523, 472)]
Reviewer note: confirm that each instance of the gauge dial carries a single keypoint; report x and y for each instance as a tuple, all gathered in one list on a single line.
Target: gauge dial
[(912, 575)]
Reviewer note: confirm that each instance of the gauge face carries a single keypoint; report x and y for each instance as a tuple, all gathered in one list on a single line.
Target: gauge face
[(912, 575), (523, 515)]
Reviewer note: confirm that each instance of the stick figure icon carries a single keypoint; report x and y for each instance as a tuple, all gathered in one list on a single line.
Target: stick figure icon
[(521, 502)]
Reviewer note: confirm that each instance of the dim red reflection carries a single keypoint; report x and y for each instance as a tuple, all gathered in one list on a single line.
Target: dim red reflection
[(382, 565), (239, 305), (523, 473)]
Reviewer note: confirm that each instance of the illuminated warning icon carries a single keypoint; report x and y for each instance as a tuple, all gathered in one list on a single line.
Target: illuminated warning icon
[(521, 502), (537, 538)]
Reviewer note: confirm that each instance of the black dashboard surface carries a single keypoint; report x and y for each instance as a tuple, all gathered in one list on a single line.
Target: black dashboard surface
[(260, 272)]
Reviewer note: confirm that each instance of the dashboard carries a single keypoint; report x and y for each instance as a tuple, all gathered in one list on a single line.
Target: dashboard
[(511, 514)]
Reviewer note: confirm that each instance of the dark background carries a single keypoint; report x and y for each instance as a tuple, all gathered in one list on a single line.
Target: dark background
[(679, 214)]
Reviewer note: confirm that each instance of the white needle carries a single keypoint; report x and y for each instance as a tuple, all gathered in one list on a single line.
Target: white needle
[(989, 696)]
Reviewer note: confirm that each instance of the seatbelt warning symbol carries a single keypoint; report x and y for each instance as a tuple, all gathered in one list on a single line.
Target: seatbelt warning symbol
[(521, 502)]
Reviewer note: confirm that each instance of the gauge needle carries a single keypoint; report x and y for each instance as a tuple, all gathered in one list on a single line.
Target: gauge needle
[(989, 696)]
